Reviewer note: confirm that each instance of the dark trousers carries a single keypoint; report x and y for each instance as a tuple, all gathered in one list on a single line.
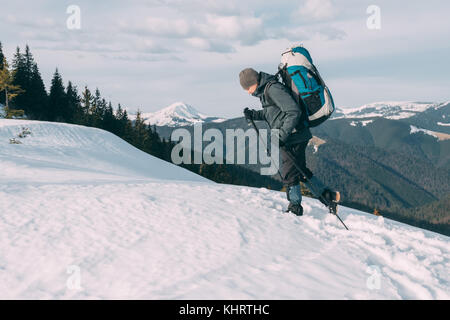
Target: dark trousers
[(291, 176)]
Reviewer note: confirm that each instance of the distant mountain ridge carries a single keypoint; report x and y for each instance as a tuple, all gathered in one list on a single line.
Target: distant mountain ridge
[(183, 114), (393, 110)]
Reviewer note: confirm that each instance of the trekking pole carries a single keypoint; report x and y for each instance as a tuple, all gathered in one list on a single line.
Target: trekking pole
[(331, 207), (267, 146)]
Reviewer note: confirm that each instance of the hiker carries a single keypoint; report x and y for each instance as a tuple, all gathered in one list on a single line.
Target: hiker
[(282, 112)]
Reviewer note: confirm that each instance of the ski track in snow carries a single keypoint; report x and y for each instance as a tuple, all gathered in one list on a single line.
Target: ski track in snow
[(137, 236)]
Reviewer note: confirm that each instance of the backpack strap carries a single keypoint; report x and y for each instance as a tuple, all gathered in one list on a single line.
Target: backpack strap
[(277, 75), (266, 88), (300, 103)]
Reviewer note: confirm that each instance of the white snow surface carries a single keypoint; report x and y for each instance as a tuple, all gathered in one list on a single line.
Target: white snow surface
[(387, 109), (414, 129), (84, 215), (362, 122), (178, 113)]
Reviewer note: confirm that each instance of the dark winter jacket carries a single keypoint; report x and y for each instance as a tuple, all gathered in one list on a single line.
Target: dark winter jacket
[(280, 111)]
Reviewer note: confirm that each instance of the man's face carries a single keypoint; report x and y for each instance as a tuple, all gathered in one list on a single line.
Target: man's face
[(252, 88)]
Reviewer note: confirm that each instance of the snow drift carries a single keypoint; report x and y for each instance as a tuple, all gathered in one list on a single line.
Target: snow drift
[(85, 215), (58, 152)]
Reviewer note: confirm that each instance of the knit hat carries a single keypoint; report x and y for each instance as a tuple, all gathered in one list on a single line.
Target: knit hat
[(248, 77)]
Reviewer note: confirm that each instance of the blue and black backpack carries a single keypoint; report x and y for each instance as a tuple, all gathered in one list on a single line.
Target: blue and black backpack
[(299, 74)]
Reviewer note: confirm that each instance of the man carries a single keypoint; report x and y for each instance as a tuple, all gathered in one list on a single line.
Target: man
[(282, 112)]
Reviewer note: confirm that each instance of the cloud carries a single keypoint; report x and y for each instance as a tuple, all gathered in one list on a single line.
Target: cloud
[(209, 45), (329, 32), (317, 10), (150, 46), (163, 27), (82, 47), (32, 22), (214, 40), (221, 7), (305, 33), (208, 32), (159, 25), (51, 35), (143, 57), (247, 30), (189, 7)]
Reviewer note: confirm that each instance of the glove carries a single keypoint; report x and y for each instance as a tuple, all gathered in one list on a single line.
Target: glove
[(248, 114)]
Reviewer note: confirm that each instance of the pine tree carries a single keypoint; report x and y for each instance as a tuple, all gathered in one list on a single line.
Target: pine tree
[(29, 62), (73, 112), (86, 100), (154, 145), (33, 97), (118, 122), (109, 120), (100, 111), (38, 96), (2, 56), (26, 100), (119, 112), (8, 89), (57, 99), (94, 110), (20, 78), (18, 60), (127, 127), (140, 133), (23, 66)]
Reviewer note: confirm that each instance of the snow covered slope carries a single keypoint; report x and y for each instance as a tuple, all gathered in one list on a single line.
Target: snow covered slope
[(85, 215), (438, 135), (177, 114), (389, 110), (58, 152)]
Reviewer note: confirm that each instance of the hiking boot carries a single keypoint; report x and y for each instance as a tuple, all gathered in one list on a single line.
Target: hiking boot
[(331, 196), (295, 208)]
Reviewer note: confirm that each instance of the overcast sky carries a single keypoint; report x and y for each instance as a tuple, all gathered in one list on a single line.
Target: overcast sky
[(149, 54)]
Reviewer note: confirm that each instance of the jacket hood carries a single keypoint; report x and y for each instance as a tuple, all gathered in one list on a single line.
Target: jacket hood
[(264, 78)]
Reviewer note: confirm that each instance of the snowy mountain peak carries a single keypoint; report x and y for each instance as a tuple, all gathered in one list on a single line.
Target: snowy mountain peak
[(180, 110), (177, 114), (387, 109)]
